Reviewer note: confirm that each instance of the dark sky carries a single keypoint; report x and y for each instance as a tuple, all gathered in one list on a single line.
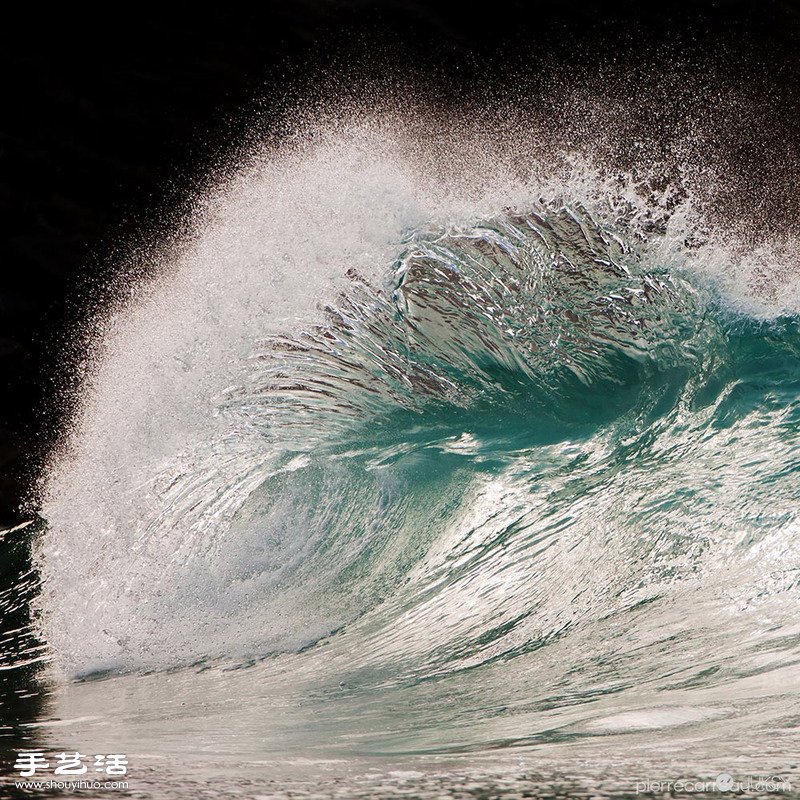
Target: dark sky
[(109, 116)]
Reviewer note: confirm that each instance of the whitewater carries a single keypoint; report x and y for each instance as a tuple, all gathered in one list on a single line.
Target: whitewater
[(396, 455)]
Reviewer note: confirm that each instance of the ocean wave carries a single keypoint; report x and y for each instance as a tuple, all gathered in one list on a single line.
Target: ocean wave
[(402, 436)]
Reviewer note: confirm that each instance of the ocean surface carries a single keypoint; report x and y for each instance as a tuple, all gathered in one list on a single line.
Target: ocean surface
[(384, 484)]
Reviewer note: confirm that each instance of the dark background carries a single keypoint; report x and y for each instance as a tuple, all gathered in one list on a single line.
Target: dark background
[(110, 116)]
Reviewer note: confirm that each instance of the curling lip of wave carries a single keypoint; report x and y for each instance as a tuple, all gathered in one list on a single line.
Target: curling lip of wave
[(520, 313)]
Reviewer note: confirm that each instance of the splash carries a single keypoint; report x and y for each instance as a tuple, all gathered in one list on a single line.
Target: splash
[(406, 423)]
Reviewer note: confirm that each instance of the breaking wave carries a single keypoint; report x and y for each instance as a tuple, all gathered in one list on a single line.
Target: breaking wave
[(525, 434)]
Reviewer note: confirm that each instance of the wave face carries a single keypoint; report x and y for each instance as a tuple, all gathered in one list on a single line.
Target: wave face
[(512, 453)]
